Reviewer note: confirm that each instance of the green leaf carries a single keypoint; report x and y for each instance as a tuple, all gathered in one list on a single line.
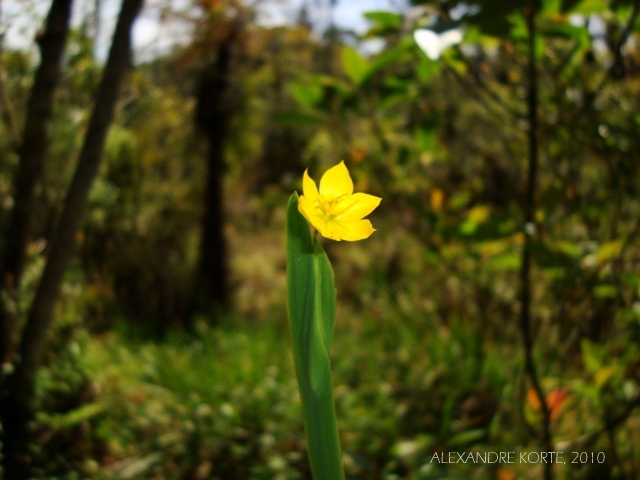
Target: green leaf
[(326, 293), (476, 216), (551, 7), (587, 7), (479, 213), (74, 417), (468, 437), (425, 139), (383, 24), (608, 251), (308, 95), (605, 291), (385, 20), (602, 376), (460, 199), (631, 280), (592, 356), (562, 30), (427, 69), (569, 249), (337, 85), (386, 58), (508, 261), (355, 66), (311, 300)]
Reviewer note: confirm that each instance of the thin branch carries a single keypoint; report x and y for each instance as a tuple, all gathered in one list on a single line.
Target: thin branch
[(529, 208), (617, 47), (628, 28)]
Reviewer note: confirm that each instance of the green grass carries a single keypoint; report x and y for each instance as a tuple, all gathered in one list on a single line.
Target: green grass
[(226, 401), (223, 403)]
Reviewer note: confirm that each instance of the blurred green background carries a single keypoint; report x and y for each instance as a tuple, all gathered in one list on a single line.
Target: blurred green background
[(169, 357)]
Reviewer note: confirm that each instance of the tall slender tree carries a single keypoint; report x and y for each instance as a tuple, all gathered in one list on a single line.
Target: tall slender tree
[(32, 152), (213, 120), (214, 113), (18, 402)]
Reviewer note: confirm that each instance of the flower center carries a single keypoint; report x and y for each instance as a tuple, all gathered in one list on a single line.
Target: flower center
[(329, 209)]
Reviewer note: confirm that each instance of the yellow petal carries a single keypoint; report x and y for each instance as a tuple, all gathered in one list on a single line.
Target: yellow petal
[(331, 230), (336, 182), (307, 208), (309, 188), (358, 230), (357, 206), (326, 228)]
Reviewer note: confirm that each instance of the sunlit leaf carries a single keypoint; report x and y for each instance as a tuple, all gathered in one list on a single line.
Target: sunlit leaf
[(384, 19), (591, 356), (608, 251), (589, 7), (354, 65), (307, 95), (604, 375), (568, 248), (479, 213), (437, 199), (504, 262), (562, 30), (605, 291), (550, 7)]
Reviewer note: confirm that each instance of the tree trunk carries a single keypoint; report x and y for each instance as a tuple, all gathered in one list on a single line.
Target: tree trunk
[(21, 384), (32, 152), (214, 112)]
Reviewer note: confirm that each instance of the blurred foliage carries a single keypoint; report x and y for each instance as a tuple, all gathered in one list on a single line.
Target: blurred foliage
[(427, 353)]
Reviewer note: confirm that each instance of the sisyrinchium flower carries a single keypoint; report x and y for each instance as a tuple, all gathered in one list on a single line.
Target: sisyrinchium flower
[(334, 210)]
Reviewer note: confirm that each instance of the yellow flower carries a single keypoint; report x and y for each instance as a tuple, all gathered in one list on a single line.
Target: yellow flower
[(335, 211)]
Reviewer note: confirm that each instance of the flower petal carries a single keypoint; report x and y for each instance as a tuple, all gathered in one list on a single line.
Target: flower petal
[(308, 209), (357, 230), (357, 206), (309, 189), (336, 182), (327, 228), (330, 229)]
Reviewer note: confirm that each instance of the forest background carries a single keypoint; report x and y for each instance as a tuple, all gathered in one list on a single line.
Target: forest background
[(142, 266)]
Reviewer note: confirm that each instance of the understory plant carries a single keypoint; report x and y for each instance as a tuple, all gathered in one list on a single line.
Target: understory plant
[(337, 213)]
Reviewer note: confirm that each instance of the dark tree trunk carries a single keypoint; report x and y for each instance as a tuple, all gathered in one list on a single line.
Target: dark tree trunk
[(32, 152), (529, 208), (214, 112), (17, 408)]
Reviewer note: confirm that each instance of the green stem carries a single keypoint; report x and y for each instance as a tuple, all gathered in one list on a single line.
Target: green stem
[(312, 311)]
